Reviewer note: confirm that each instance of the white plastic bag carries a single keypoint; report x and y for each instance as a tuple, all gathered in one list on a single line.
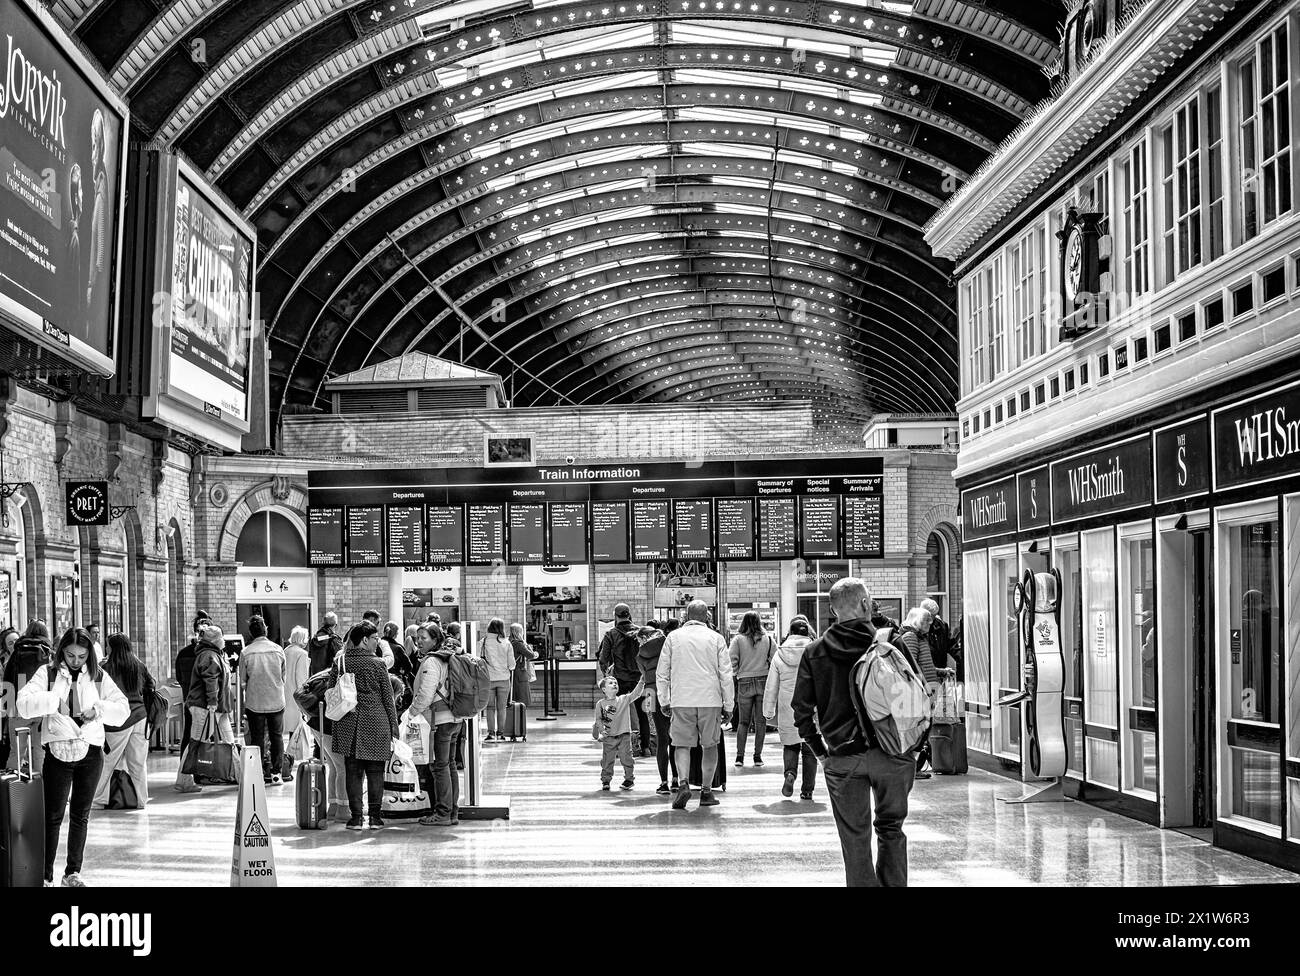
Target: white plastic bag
[(301, 745), (415, 735)]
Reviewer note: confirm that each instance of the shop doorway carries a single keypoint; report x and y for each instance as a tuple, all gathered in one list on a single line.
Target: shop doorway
[(557, 621), (280, 619), (1186, 675)]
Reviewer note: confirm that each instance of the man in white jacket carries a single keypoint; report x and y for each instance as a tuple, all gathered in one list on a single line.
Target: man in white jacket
[(695, 690), (74, 699)]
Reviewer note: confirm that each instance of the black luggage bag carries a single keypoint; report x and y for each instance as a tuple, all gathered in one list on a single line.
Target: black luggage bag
[(22, 821)]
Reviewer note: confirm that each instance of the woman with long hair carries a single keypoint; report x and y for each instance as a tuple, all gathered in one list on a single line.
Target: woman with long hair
[(500, 657), (74, 698), (751, 656), (126, 746)]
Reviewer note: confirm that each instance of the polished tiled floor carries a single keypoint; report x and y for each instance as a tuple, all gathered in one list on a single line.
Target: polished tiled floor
[(563, 831)]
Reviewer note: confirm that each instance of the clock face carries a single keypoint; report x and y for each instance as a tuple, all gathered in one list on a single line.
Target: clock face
[(1073, 264)]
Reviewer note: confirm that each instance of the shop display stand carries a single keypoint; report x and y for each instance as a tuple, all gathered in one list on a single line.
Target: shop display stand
[(1053, 792), (477, 805)]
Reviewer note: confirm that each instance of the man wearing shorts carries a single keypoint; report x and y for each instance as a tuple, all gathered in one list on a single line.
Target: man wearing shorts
[(695, 691)]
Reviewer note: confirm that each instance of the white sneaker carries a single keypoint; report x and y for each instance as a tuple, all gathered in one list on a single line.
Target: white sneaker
[(73, 881), (276, 779)]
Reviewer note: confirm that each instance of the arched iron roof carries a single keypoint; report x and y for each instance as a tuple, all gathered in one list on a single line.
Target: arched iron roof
[(611, 201)]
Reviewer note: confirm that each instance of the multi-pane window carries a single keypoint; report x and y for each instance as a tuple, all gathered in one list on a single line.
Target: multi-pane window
[(1187, 181), (1133, 173), (1264, 102), (995, 318), (1025, 304), (1214, 165), (975, 307), (1165, 162)]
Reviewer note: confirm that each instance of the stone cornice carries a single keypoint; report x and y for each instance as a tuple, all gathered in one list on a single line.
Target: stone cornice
[(1140, 53)]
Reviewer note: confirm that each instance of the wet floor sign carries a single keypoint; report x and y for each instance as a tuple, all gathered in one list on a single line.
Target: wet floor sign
[(253, 862)]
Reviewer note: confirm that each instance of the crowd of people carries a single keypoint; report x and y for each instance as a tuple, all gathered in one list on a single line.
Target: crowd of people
[(666, 691)]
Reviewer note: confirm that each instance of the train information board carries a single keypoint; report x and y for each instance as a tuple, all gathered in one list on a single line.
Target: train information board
[(609, 532), (527, 534), (446, 534), (325, 537), (566, 532), (735, 528), (405, 526), (650, 532), (365, 535), (486, 533)]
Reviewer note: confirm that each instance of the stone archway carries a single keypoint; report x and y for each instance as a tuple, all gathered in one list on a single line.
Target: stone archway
[(278, 495), (938, 520)]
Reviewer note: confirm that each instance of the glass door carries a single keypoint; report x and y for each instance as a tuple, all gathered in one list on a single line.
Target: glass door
[(1004, 633), (1065, 554), (1101, 672), (1137, 649)]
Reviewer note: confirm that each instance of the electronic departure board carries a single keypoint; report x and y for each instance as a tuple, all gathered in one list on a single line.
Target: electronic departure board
[(776, 528), (405, 535), (819, 526), (365, 535), (527, 533), (487, 533), (325, 537), (619, 512), (446, 534), (864, 526), (566, 532), (650, 532), (735, 528), (693, 528), (609, 532)]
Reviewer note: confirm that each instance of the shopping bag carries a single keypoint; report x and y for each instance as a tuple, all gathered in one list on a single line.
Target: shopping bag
[(301, 747), (122, 794), (947, 701), (342, 697), (403, 796), (208, 760), (530, 669), (415, 734)]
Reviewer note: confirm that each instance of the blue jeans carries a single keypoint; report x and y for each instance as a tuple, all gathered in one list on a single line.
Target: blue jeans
[(446, 782), (852, 781)]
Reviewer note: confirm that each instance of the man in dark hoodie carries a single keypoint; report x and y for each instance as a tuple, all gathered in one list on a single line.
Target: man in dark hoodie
[(31, 651), (617, 656), (855, 768), (325, 645)]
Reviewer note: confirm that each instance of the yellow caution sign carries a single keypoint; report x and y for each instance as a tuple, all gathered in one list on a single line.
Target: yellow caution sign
[(253, 863)]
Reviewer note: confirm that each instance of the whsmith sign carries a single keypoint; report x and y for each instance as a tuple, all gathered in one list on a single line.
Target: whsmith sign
[(1258, 439), (990, 510), (1111, 479)]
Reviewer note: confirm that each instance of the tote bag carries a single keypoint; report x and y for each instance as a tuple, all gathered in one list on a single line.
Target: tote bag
[(342, 698)]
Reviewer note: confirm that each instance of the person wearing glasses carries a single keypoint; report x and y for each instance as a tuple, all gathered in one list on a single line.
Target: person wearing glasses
[(364, 736)]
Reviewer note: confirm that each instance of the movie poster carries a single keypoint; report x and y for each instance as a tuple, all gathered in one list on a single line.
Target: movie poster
[(60, 193), (212, 266)]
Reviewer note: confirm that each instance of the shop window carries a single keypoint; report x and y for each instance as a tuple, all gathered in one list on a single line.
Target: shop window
[(1083, 374), (1214, 168), (1066, 559), (1138, 656), (1133, 179), (1040, 395), (1011, 408), (1069, 381), (997, 413), (1103, 365), (975, 640), (965, 428), (1264, 135), (1024, 400), (1187, 326), (1162, 338), (1101, 701), (975, 419), (1250, 662), (1273, 283), (1293, 664), (1140, 349), (988, 418), (1243, 299), (1213, 313), (1121, 357), (1005, 649), (1055, 384)]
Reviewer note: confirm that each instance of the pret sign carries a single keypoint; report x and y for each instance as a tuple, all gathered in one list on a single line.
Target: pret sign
[(1183, 460), (87, 502)]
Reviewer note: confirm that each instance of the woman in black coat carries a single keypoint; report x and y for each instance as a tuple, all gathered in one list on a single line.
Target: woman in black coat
[(520, 690), (364, 736)]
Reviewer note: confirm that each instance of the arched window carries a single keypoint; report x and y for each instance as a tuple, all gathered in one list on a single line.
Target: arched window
[(936, 568), (270, 539)]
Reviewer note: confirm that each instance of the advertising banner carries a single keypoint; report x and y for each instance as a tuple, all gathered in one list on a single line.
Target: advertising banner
[(210, 293), (61, 190)]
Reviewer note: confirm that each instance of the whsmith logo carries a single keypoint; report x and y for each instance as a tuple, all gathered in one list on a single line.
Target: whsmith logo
[(1088, 483), (1267, 436), (986, 510), (102, 930), (28, 89)]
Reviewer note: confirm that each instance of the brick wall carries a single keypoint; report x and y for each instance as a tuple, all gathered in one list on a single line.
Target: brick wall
[(488, 592), (621, 584), (756, 583)]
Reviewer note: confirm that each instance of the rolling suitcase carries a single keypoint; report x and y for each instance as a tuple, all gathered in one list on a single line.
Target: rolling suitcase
[(719, 775), (948, 748), (311, 804), (22, 821), (516, 721)]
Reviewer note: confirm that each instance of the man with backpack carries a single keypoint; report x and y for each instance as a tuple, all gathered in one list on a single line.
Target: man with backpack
[(860, 761), (618, 656), (325, 644)]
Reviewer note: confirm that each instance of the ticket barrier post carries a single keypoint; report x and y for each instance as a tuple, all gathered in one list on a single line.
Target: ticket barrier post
[(476, 805)]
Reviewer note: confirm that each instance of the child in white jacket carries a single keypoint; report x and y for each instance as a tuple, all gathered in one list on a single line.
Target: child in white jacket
[(74, 698)]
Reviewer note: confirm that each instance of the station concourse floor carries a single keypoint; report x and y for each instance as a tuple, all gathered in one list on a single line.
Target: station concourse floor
[(564, 831)]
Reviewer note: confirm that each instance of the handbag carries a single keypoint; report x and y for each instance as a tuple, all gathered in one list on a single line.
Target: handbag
[(122, 793), (207, 759), (415, 734), (312, 691), (301, 746), (341, 698)]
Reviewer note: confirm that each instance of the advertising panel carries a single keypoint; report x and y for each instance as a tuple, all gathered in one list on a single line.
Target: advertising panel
[(203, 306), (62, 170)]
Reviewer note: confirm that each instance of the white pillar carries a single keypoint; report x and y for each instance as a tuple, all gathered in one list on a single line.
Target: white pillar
[(395, 580)]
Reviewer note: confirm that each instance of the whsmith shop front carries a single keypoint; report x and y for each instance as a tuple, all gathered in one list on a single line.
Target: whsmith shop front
[(1177, 540)]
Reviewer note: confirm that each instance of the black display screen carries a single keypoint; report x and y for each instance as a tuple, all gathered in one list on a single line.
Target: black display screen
[(777, 530), (819, 526), (567, 532), (527, 533), (405, 535), (487, 533), (864, 526), (446, 534), (609, 532), (692, 528), (650, 535), (365, 535), (735, 520), (325, 536)]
